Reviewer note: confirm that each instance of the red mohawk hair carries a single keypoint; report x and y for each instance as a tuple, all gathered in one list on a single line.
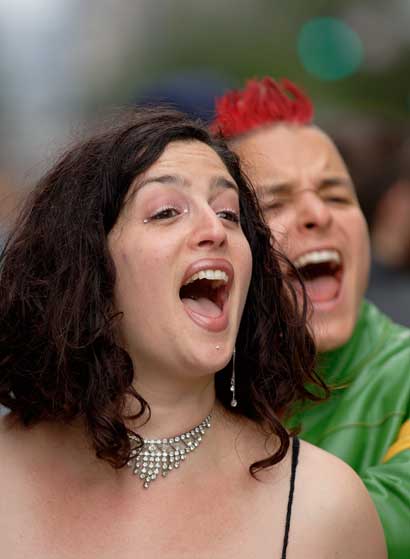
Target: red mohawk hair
[(261, 102)]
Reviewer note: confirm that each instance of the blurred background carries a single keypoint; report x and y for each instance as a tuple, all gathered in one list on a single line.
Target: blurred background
[(66, 63)]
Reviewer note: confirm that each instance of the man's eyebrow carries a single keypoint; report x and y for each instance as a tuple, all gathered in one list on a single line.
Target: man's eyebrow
[(285, 188), (274, 188), (329, 182)]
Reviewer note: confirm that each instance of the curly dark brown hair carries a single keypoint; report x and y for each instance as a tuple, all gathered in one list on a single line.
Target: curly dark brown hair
[(59, 359)]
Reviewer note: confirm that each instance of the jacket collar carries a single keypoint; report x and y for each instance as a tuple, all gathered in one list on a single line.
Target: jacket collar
[(341, 365)]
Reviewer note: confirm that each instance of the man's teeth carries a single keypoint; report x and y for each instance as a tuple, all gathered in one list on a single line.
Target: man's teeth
[(209, 275), (317, 257)]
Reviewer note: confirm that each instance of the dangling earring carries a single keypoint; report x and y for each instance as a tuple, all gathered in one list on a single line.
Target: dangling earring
[(234, 402)]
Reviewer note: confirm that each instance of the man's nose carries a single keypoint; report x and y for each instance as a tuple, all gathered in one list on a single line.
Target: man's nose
[(208, 229), (312, 211)]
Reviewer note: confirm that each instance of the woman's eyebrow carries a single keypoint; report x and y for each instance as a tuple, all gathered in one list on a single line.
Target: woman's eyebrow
[(223, 182), (163, 179), (178, 180)]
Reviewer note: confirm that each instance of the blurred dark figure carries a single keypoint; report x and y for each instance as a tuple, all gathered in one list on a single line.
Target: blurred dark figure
[(391, 220), (390, 235), (9, 202), (378, 157), (9, 199), (192, 92)]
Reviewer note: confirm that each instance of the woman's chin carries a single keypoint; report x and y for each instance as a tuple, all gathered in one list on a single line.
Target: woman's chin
[(209, 361)]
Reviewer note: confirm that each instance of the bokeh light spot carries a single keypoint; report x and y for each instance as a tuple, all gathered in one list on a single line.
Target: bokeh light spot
[(329, 49)]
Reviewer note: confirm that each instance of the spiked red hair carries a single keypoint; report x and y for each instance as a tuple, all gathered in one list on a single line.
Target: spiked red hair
[(261, 102)]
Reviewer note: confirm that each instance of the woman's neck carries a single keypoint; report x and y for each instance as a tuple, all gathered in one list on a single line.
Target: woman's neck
[(174, 408)]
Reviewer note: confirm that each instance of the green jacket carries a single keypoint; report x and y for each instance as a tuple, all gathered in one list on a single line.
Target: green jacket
[(369, 406)]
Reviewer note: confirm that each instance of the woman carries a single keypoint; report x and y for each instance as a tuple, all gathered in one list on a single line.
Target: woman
[(138, 266)]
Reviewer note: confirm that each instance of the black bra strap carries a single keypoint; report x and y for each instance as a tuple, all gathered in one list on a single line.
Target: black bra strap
[(295, 457)]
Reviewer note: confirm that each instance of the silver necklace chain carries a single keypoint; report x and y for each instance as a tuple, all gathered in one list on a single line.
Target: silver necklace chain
[(158, 457)]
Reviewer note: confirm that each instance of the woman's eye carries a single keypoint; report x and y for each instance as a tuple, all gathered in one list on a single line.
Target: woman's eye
[(229, 215), (164, 213)]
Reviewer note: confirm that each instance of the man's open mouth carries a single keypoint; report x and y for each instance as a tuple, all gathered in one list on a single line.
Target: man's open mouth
[(322, 272), (205, 292)]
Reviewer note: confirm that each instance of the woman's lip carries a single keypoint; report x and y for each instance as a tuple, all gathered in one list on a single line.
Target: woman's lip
[(210, 264), (220, 322), (212, 324)]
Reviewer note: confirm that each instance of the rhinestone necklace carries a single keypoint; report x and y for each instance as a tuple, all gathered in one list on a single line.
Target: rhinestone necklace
[(160, 456)]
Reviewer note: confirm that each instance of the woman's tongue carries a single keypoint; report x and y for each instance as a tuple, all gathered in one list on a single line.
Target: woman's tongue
[(322, 288), (202, 305)]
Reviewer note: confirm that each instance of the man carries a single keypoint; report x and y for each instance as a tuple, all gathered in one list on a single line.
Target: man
[(309, 202)]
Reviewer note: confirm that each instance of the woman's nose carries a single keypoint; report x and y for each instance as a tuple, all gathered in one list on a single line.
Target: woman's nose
[(208, 230)]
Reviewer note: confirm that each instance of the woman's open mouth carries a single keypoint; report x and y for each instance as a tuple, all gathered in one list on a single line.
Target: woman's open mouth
[(204, 295), (322, 272)]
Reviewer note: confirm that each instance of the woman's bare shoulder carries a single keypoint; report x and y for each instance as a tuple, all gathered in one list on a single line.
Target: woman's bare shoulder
[(323, 472), (331, 497)]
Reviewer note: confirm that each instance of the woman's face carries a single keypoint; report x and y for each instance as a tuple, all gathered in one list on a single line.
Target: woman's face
[(183, 263)]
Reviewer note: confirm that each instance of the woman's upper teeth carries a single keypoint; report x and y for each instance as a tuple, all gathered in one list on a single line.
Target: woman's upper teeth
[(209, 275), (317, 257)]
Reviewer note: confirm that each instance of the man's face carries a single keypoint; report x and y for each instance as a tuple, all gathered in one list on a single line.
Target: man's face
[(309, 202)]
